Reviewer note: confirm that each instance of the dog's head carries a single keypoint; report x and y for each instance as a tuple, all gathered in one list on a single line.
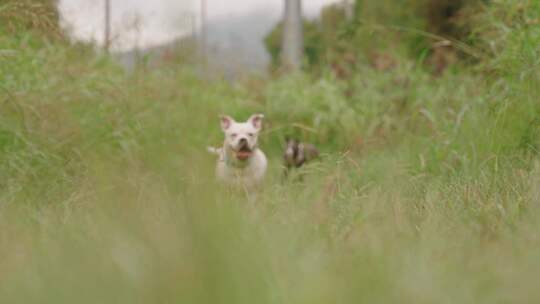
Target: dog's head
[(291, 150), (241, 137)]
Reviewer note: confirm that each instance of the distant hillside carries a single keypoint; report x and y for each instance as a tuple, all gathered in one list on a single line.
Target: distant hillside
[(156, 55), (235, 45)]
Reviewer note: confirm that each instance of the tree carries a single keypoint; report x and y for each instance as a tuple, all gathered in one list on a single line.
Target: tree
[(323, 39), (292, 43), (107, 35), (348, 7), (39, 16)]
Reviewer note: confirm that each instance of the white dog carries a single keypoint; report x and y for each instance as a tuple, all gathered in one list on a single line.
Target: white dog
[(241, 162)]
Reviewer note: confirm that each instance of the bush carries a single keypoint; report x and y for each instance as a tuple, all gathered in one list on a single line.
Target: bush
[(38, 16)]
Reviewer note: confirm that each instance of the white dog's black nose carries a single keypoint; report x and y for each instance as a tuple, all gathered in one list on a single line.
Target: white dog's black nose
[(243, 141)]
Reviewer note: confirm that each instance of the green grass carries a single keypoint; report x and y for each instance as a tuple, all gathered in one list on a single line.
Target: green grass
[(427, 191)]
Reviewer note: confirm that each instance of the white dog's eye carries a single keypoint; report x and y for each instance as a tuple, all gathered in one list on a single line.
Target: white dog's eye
[(234, 135), (251, 134)]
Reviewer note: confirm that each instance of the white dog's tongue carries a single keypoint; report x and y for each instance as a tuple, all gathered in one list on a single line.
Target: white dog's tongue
[(243, 155)]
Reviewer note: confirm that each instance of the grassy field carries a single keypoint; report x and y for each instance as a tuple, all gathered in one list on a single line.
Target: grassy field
[(427, 191)]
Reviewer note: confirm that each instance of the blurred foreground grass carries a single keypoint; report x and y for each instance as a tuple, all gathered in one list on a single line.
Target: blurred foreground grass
[(427, 191)]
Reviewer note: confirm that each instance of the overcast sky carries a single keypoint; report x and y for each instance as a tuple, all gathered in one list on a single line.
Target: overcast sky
[(160, 21)]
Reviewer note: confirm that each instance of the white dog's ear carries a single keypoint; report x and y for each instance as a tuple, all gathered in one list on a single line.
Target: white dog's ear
[(256, 120), (226, 122)]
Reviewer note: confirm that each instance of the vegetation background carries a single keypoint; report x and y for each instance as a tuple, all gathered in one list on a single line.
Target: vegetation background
[(428, 191)]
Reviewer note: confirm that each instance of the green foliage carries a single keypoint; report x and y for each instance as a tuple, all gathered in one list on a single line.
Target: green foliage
[(409, 28), (38, 16), (425, 185), (322, 38)]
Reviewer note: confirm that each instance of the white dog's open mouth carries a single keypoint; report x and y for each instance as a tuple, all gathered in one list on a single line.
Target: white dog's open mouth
[(244, 153)]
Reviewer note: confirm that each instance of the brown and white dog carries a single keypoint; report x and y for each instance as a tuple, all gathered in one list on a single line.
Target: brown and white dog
[(298, 153), (241, 162)]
